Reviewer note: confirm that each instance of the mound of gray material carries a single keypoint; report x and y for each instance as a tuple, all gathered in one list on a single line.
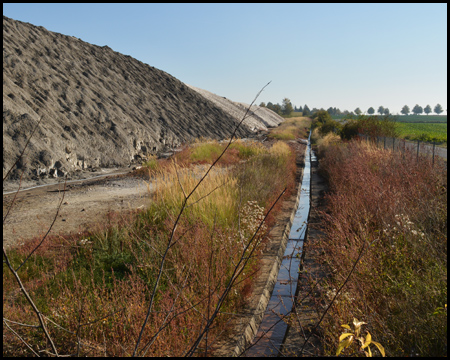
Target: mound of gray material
[(260, 118), (99, 108)]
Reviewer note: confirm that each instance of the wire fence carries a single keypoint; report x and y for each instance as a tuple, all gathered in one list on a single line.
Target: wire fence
[(418, 147)]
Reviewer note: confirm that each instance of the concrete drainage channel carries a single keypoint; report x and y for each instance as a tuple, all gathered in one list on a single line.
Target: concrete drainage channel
[(272, 330)]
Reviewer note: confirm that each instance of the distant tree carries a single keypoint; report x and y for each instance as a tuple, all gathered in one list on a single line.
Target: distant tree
[(427, 109), (371, 111), (306, 110), (277, 108), (300, 109), (438, 109), (405, 110), (337, 111), (358, 111), (322, 116), (417, 109), (262, 104), (269, 105), (330, 111), (381, 110), (287, 108), (386, 111)]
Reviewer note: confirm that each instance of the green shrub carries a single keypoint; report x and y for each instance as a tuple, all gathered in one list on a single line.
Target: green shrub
[(329, 126), (377, 126), (322, 117), (350, 130)]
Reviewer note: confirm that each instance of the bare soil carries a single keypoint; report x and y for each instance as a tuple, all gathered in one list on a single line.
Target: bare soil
[(85, 204)]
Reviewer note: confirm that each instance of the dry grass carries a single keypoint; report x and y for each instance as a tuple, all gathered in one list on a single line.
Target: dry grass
[(97, 286), (292, 128), (399, 206)]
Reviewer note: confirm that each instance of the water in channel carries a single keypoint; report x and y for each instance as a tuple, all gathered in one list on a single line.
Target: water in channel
[(272, 330)]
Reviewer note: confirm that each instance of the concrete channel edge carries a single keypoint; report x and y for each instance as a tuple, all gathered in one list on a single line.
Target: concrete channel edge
[(253, 324)]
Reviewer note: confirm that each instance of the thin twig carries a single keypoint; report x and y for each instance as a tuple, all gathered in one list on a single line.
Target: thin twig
[(17, 323), (335, 296), (178, 177), (29, 347), (203, 197), (183, 206), (50, 228), (14, 199), (30, 301), (237, 271)]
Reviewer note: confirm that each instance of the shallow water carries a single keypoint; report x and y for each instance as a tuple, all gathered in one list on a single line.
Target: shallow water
[(272, 330)]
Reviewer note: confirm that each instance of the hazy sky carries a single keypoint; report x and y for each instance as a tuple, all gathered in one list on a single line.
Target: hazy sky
[(322, 55)]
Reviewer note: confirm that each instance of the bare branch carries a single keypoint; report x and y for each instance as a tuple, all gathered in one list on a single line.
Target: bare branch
[(28, 346), (17, 323), (242, 263), (30, 301), (203, 197), (178, 177), (183, 206), (335, 296)]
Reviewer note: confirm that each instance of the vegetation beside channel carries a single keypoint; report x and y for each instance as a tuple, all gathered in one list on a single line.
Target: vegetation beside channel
[(392, 207), (389, 126), (94, 288)]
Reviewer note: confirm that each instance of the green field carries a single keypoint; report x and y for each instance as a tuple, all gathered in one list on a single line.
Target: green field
[(430, 132), (422, 118), (407, 118)]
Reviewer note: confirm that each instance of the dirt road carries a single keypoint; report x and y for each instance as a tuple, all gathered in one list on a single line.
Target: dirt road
[(85, 204)]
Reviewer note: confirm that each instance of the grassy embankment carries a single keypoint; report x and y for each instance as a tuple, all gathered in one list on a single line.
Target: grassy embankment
[(291, 128), (97, 286), (396, 207)]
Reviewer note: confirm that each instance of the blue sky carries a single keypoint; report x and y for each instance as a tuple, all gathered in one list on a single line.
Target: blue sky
[(322, 55)]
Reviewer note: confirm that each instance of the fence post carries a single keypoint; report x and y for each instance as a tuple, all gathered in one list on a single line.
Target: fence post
[(434, 145), (418, 146)]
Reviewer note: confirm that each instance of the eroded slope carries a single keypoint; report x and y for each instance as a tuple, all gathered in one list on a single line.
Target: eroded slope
[(99, 108)]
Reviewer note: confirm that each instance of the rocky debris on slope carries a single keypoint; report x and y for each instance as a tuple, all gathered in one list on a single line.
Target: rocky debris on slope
[(99, 108), (259, 118)]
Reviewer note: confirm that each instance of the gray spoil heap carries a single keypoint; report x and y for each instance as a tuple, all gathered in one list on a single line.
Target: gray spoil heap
[(258, 118), (99, 108)]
